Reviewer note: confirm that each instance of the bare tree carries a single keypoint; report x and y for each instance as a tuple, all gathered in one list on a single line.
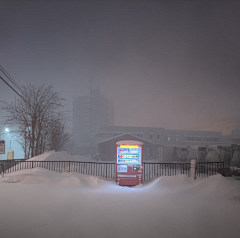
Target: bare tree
[(37, 120), (57, 135)]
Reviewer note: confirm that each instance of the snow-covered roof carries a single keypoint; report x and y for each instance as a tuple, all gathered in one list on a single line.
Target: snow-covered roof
[(129, 142), (122, 135)]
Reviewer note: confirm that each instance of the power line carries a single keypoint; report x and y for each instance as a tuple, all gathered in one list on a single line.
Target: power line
[(15, 84), (10, 78), (15, 91)]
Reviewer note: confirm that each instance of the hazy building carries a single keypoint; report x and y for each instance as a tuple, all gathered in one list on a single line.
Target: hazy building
[(90, 113), (159, 143), (152, 138), (94, 133), (233, 138)]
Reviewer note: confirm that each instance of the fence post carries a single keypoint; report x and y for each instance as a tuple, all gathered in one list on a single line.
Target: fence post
[(143, 171), (2, 166), (223, 170), (193, 166)]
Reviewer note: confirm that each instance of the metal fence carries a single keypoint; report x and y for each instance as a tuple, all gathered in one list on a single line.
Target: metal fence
[(107, 170), (204, 169), (153, 170)]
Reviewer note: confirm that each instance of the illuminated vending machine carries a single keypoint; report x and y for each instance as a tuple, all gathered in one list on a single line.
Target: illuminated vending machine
[(129, 163)]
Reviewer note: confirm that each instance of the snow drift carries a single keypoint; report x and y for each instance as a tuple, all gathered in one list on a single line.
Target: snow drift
[(42, 203)]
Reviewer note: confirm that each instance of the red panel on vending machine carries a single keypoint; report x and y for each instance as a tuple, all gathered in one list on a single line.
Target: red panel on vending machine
[(129, 163)]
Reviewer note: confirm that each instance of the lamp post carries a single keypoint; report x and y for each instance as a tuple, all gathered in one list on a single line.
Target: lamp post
[(10, 154)]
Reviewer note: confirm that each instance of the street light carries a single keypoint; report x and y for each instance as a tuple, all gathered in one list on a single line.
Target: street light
[(10, 154)]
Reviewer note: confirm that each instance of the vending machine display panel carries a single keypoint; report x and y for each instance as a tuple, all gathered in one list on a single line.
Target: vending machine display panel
[(129, 154), (122, 168)]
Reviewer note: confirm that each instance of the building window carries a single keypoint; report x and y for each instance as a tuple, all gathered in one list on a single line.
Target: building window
[(158, 137), (169, 138), (150, 136)]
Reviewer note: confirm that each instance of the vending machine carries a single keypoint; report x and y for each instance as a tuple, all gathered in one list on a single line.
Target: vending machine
[(129, 163)]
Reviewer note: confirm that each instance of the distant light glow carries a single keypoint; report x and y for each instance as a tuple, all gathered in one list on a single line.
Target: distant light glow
[(7, 130)]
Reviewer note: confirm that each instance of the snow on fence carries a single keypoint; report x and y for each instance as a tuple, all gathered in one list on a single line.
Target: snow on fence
[(107, 170)]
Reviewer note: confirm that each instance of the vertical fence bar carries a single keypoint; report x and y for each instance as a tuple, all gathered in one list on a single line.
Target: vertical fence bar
[(204, 172), (144, 171), (223, 168), (148, 171)]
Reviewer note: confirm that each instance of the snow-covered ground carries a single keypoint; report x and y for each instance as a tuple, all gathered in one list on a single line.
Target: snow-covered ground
[(39, 203)]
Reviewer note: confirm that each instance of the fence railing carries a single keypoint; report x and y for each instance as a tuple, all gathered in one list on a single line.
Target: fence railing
[(153, 170), (107, 170), (205, 169)]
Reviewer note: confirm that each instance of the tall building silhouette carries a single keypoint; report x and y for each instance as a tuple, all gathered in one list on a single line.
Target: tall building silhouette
[(89, 114)]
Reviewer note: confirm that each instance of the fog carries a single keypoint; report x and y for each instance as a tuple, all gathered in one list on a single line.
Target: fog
[(162, 63)]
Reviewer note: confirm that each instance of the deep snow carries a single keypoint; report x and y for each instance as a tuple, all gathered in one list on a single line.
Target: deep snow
[(42, 203)]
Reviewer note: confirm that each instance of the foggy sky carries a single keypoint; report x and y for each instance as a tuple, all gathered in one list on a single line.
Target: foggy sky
[(162, 63)]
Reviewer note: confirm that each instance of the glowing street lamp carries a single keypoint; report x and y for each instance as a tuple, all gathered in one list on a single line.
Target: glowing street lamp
[(10, 154)]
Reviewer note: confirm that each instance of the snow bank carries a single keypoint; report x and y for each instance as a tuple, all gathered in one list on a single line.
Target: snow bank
[(213, 185), (26, 179), (41, 203), (216, 185), (40, 175), (53, 156), (62, 156)]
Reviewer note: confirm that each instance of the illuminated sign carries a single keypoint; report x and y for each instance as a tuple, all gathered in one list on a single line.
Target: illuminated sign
[(2, 147), (129, 154), (129, 146)]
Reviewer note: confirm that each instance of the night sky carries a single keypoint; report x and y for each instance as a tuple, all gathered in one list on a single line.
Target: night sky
[(171, 64)]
